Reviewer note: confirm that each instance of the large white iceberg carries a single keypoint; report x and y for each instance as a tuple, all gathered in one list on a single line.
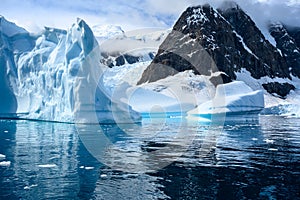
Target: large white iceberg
[(231, 98), (55, 77)]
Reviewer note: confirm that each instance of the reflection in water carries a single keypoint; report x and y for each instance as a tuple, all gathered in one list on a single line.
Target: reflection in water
[(49, 161), (7, 144), (257, 160), (43, 157), (252, 159)]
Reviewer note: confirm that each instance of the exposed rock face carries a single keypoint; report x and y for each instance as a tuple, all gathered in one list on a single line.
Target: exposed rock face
[(288, 45), (122, 59), (207, 40), (282, 89), (294, 32), (273, 64)]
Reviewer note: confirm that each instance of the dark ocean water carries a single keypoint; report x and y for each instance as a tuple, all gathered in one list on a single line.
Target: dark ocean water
[(253, 159)]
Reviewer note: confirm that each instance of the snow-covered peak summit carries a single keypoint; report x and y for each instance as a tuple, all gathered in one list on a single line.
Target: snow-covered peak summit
[(197, 15), (10, 29)]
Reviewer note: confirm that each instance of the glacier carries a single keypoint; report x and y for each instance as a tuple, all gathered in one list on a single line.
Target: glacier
[(55, 75)]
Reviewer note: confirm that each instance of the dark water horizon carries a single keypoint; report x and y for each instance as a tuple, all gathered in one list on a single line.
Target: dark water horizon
[(252, 159)]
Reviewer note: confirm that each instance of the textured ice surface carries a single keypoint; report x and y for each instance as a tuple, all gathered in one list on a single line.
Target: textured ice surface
[(235, 97), (57, 78)]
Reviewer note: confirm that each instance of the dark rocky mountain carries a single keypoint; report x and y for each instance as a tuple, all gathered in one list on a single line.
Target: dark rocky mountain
[(288, 45), (207, 40), (295, 33)]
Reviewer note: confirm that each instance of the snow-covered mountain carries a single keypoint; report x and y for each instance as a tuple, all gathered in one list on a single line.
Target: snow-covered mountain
[(234, 43), (226, 40)]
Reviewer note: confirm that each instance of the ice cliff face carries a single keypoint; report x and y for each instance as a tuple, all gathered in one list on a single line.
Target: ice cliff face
[(234, 43), (13, 41), (55, 76)]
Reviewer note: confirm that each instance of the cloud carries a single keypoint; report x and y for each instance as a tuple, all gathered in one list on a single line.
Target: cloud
[(34, 14)]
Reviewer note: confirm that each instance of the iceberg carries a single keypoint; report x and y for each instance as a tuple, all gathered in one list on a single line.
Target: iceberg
[(57, 78), (13, 41), (154, 104), (231, 99)]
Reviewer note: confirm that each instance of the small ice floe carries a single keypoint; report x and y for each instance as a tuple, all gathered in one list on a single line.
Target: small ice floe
[(103, 175), (47, 166), (5, 164), (272, 149), (30, 186), (269, 141), (2, 157), (87, 168)]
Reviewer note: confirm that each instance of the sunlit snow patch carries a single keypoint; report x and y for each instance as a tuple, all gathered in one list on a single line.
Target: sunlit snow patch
[(153, 104), (231, 99)]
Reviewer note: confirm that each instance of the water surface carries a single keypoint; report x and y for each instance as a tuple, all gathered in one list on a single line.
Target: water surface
[(253, 159)]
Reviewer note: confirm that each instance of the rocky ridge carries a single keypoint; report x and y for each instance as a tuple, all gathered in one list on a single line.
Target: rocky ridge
[(233, 42)]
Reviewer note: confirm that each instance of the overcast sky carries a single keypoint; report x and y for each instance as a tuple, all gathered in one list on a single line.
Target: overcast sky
[(34, 14)]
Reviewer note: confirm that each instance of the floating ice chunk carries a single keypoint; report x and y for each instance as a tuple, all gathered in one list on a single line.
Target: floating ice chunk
[(272, 149), (89, 168), (47, 166), (5, 164), (269, 141), (103, 175), (86, 168), (30, 186)]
